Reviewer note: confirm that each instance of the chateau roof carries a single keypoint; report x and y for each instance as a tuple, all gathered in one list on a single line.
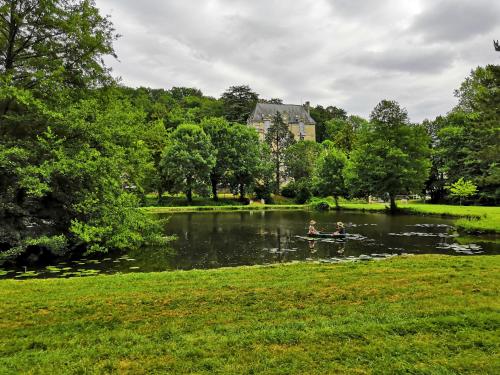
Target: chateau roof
[(293, 112)]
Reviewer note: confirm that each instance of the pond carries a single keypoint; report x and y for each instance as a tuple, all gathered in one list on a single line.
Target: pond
[(224, 239)]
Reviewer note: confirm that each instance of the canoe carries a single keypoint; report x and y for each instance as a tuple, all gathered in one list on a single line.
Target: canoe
[(327, 235)]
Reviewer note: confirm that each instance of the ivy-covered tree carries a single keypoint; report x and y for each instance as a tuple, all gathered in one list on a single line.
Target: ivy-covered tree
[(279, 138), (391, 156), (188, 159)]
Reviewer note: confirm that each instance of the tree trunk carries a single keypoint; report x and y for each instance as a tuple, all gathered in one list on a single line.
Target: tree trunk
[(160, 194), (393, 203), (189, 195), (242, 191), (277, 177), (336, 201), (214, 181)]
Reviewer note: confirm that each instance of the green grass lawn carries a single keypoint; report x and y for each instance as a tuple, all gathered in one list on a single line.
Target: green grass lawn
[(414, 315)]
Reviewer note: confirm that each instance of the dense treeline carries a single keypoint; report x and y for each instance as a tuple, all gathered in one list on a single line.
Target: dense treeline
[(79, 152)]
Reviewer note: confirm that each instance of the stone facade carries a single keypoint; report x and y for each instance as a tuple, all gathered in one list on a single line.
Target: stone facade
[(297, 117)]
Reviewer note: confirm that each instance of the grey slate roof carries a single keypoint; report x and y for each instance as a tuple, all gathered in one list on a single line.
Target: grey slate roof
[(292, 111)]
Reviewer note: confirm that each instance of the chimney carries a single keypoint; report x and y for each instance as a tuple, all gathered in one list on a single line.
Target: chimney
[(307, 105)]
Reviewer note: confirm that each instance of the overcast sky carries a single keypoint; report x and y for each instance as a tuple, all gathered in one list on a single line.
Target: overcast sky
[(347, 53)]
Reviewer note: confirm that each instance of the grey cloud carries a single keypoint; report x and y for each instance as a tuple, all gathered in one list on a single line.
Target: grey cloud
[(457, 20), (350, 53), (412, 60)]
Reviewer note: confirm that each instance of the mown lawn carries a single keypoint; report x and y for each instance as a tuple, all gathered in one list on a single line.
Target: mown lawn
[(418, 315)]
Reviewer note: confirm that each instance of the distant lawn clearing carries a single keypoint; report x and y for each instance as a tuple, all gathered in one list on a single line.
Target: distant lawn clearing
[(422, 314)]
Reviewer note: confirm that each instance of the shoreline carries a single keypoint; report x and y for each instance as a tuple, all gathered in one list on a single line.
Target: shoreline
[(469, 219)]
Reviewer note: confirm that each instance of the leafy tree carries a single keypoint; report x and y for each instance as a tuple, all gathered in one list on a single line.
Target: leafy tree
[(247, 159), (321, 115), (328, 176), (222, 139), (390, 157), (187, 159), (299, 159), (49, 45), (462, 189), (342, 132), (239, 102), (279, 138), (74, 159), (469, 138)]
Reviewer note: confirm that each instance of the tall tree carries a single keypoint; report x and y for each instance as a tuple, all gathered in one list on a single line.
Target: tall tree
[(218, 130), (279, 138), (246, 160), (329, 173), (188, 159), (239, 102), (469, 140), (391, 155)]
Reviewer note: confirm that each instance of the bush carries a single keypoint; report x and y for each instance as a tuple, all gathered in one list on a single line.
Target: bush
[(290, 190), (303, 192), (320, 204)]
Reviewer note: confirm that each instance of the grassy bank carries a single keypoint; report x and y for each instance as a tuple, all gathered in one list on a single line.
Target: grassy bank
[(426, 314), (472, 218), (251, 207)]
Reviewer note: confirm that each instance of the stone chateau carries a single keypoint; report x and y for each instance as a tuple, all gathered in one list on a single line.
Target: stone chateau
[(297, 117)]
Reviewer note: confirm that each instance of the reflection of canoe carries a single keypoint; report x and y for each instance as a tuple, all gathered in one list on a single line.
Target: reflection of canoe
[(327, 235)]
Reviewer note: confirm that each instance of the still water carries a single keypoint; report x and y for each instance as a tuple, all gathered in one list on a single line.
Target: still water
[(224, 239)]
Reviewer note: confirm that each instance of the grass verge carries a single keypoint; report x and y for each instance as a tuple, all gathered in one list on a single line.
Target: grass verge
[(425, 314)]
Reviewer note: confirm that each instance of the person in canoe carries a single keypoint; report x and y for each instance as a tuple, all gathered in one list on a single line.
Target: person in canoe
[(312, 229), (340, 231)]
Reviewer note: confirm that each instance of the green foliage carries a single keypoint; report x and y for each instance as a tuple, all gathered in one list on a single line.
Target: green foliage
[(299, 159), (468, 137), (328, 176), (342, 131), (251, 164), (238, 103), (462, 189), (322, 115), (187, 159), (51, 44), (391, 156), (74, 158), (221, 137)]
